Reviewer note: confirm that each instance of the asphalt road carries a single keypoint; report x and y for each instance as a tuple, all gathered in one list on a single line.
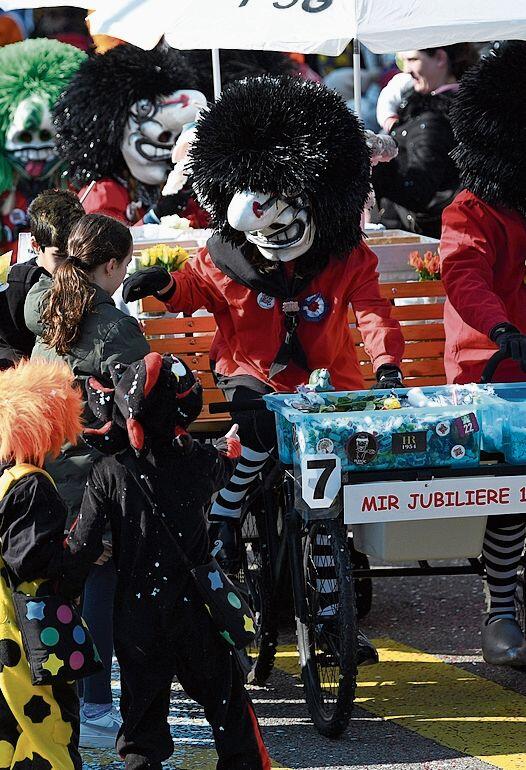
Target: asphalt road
[(432, 703)]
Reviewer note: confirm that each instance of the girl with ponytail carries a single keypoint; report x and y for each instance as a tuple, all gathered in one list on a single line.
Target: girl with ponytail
[(75, 319)]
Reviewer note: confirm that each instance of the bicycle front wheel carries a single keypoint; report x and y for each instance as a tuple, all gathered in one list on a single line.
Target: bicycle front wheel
[(327, 632)]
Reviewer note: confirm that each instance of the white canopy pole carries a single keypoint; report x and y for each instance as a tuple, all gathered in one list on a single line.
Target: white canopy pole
[(357, 77), (216, 70)]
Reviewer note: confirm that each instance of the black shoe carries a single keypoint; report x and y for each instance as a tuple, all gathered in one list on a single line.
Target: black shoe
[(367, 653), (225, 543), (503, 643)]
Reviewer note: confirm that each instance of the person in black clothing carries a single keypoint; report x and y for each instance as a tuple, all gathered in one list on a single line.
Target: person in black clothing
[(414, 188), (161, 626), (51, 217)]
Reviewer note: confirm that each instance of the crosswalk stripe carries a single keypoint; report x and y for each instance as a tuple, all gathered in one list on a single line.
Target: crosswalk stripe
[(439, 701)]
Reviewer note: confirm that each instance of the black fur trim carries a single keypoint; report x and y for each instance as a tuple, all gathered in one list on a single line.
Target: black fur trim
[(91, 115), (236, 65), (416, 104), (284, 135), (488, 118)]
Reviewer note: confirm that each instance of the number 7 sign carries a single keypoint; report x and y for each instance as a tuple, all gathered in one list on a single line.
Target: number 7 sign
[(321, 479)]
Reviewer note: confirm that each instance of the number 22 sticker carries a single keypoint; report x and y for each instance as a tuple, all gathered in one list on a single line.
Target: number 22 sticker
[(321, 479)]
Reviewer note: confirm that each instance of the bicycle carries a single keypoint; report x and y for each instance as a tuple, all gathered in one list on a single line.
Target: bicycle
[(317, 554)]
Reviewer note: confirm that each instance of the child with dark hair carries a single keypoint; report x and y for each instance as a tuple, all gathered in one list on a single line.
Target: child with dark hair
[(75, 319), (160, 484), (51, 216)]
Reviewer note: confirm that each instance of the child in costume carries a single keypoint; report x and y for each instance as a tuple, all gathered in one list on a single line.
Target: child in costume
[(482, 249), (285, 182), (51, 216), (162, 628), (39, 409), (116, 126), (33, 74)]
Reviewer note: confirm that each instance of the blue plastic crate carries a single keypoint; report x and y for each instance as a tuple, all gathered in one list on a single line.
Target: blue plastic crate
[(505, 422), (445, 435)]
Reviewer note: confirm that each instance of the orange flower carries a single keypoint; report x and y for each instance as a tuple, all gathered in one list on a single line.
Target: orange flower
[(416, 261), (427, 267)]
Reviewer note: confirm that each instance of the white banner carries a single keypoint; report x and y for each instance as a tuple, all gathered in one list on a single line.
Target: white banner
[(308, 26), (438, 498)]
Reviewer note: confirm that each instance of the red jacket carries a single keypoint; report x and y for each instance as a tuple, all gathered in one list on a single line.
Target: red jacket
[(483, 252), (113, 199), (251, 324), (110, 197)]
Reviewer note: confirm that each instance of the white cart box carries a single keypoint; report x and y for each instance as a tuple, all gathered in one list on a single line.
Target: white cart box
[(436, 519), (392, 247)]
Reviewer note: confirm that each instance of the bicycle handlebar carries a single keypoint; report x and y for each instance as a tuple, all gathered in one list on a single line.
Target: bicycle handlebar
[(254, 405), (491, 366)]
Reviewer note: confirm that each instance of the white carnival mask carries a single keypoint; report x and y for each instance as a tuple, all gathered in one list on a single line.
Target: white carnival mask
[(152, 130), (30, 140), (281, 227)]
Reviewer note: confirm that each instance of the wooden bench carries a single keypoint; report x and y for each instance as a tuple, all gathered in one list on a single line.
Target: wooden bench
[(421, 316)]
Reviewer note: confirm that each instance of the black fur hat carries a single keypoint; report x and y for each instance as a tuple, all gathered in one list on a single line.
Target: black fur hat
[(489, 118), (236, 65), (91, 115), (284, 135)]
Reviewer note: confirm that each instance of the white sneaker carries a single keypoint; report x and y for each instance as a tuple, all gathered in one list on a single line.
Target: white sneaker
[(99, 733)]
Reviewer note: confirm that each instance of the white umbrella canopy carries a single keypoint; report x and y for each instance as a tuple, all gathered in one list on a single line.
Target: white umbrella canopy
[(307, 26)]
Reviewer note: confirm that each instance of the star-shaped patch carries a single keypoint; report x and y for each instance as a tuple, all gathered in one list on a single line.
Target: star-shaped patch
[(249, 623), (215, 580), (35, 610), (227, 636), (53, 664), (37, 709)]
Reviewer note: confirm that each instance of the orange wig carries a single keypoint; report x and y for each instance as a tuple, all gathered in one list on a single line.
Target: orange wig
[(40, 409)]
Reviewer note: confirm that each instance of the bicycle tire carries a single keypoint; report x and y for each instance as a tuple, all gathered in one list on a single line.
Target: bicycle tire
[(328, 657), (520, 595), (259, 536)]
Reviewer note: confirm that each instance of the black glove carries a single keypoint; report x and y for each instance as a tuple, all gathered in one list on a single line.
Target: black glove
[(169, 204), (388, 376), (511, 342), (147, 282)]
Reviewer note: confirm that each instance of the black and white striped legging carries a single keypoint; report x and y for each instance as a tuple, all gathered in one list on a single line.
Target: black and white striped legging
[(502, 550)]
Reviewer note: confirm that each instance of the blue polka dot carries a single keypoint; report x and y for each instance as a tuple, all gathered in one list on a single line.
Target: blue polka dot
[(79, 635)]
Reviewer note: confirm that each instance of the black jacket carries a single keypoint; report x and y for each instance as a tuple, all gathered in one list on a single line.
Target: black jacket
[(150, 576), (16, 341), (32, 522), (414, 188)]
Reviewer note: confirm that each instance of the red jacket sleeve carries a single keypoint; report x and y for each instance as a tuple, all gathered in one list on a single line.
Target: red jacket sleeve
[(197, 286), (468, 255), (382, 335), (109, 198)]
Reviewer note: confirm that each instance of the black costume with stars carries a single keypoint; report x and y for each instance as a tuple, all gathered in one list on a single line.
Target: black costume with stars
[(161, 626), (39, 725)]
